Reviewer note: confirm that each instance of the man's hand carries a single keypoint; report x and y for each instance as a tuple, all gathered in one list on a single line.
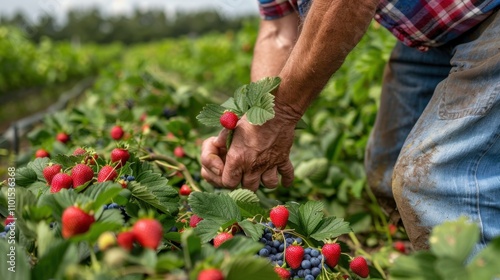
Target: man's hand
[(257, 154)]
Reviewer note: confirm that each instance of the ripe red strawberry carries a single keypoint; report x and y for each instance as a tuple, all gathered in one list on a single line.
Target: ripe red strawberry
[(50, 171), (126, 240), (210, 274), (185, 190), (179, 152), (294, 255), (120, 156), (41, 153), (75, 221), (107, 173), (81, 174), (331, 252), (79, 151), (279, 216), (116, 132), (400, 246), (221, 238), (148, 232), (228, 120), (392, 229), (282, 272), (359, 266), (60, 181), (9, 219), (195, 219), (62, 137)]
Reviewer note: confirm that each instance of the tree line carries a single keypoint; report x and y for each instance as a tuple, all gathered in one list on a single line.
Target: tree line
[(92, 26)]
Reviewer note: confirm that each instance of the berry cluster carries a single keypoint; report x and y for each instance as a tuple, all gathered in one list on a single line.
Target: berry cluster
[(10, 224), (113, 205)]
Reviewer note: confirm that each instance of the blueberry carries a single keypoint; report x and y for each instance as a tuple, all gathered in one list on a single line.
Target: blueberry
[(281, 247), (315, 271), (7, 228), (315, 261), (279, 262), (264, 252), (3, 234), (276, 244), (309, 277), (314, 252), (307, 250), (300, 273), (299, 240), (305, 264), (130, 178)]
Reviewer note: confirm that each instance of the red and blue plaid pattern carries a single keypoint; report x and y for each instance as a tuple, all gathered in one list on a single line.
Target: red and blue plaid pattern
[(417, 23)]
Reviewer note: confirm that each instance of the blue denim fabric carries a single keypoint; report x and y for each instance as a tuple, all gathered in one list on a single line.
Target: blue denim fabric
[(435, 146)]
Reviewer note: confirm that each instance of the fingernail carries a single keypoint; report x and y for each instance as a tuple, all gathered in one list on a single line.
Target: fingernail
[(214, 170)]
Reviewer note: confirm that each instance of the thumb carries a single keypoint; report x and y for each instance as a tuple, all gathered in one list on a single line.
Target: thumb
[(220, 141)]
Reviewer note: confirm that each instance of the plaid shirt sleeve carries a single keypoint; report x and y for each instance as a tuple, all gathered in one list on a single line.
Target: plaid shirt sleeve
[(274, 9), (430, 23)]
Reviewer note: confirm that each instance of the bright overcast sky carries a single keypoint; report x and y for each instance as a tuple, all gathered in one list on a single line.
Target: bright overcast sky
[(35, 8)]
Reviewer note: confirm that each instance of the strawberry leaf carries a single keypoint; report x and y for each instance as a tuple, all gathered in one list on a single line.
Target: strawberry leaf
[(240, 100), (219, 208), (231, 105), (241, 246), (25, 176), (206, 230), (210, 115), (54, 263), (331, 227), (454, 239), (253, 268), (254, 231), (310, 214), (102, 193), (261, 87), (485, 264)]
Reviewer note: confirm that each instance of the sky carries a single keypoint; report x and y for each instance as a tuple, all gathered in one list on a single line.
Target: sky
[(36, 8)]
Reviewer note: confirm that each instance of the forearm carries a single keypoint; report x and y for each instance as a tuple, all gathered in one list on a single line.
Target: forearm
[(273, 46), (330, 32)]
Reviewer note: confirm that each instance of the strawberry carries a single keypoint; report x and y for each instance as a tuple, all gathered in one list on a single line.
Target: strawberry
[(107, 173), (148, 232), (228, 120), (392, 229), (195, 219), (400, 246), (81, 174), (359, 266), (41, 153), (120, 156), (282, 272), (179, 152), (126, 240), (9, 219), (294, 255), (185, 190), (331, 253), (221, 238), (50, 171), (75, 221), (62, 137), (79, 151), (210, 274), (279, 216), (116, 132), (60, 181)]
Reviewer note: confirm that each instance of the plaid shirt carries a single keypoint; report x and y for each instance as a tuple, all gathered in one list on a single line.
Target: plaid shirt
[(421, 24)]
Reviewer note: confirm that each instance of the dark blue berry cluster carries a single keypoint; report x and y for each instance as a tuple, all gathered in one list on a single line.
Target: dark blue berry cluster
[(275, 243), (6, 230), (128, 178)]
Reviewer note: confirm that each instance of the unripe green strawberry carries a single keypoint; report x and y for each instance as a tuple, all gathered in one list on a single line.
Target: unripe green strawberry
[(221, 238), (50, 171), (228, 120), (279, 216), (331, 253), (81, 174), (282, 272), (210, 274), (148, 232), (107, 173), (60, 181), (75, 221), (294, 255), (116, 132), (359, 266), (119, 156)]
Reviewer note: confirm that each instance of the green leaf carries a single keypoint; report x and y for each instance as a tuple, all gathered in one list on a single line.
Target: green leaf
[(110, 215), (67, 161), (231, 105), (25, 176), (168, 262), (248, 203), (250, 268), (331, 227), (259, 114), (207, 230), (58, 201), (102, 193), (419, 266), (254, 231), (450, 268), (13, 268), (54, 263), (311, 215), (96, 229), (264, 85), (210, 115), (191, 247), (217, 207), (315, 169), (485, 263), (38, 165), (240, 99), (244, 195), (454, 239), (241, 246), (46, 238)]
